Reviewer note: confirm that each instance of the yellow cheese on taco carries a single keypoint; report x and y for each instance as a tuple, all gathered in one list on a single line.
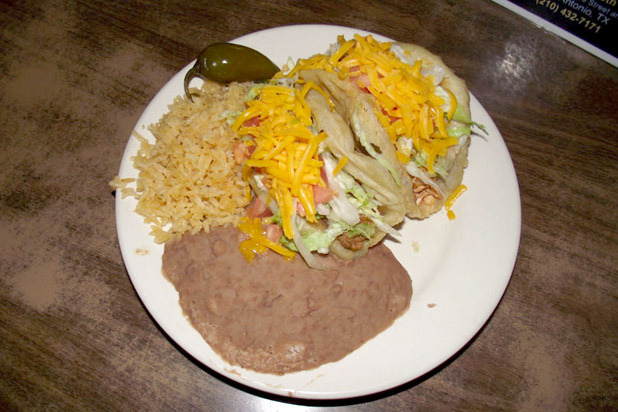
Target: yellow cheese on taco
[(313, 191), (407, 110)]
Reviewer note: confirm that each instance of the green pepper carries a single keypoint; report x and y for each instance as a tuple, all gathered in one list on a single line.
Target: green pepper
[(227, 62)]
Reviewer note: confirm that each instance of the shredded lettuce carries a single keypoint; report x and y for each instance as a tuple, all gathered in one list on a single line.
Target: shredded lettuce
[(343, 213), (254, 91), (230, 116), (415, 171), (420, 159), (363, 229), (443, 94), (288, 243), (458, 131), (340, 206), (260, 190), (276, 218), (460, 116), (365, 202), (342, 209), (319, 240), (301, 246)]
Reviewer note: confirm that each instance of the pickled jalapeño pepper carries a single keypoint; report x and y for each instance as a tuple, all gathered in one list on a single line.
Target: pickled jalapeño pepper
[(227, 62)]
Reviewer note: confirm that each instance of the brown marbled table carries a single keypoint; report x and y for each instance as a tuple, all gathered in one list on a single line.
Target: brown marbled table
[(75, 77)]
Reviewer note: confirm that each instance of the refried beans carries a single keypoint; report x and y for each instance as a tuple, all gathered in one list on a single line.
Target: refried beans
[(275, 316)]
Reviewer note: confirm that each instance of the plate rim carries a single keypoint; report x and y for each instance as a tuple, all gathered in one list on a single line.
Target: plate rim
[(300, 393)]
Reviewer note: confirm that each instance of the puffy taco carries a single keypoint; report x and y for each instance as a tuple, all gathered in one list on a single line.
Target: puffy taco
[(407, 109), (311, 191)]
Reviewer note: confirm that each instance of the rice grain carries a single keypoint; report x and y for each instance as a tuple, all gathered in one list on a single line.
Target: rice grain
[(188, 179)]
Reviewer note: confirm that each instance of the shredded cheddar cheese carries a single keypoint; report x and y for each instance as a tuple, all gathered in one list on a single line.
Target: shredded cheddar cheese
[(451, 200), (258, 243), (409, 106), (340, 165), (279, 125), (402, 157)]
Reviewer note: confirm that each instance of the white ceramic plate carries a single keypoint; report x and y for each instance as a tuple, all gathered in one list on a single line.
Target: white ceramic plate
[(459, 272)]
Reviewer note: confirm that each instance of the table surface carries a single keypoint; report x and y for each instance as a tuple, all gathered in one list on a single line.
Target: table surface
[(76, 76)]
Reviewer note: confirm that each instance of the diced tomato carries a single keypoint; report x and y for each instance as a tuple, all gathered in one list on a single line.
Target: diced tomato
[(241, 152), (322, 194), (300, 209), (258, 208), (253, 122), (362, 80), (323, 175), (273, 232)]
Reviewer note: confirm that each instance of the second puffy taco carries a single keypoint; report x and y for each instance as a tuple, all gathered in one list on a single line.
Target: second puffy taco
[(407, 109)]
